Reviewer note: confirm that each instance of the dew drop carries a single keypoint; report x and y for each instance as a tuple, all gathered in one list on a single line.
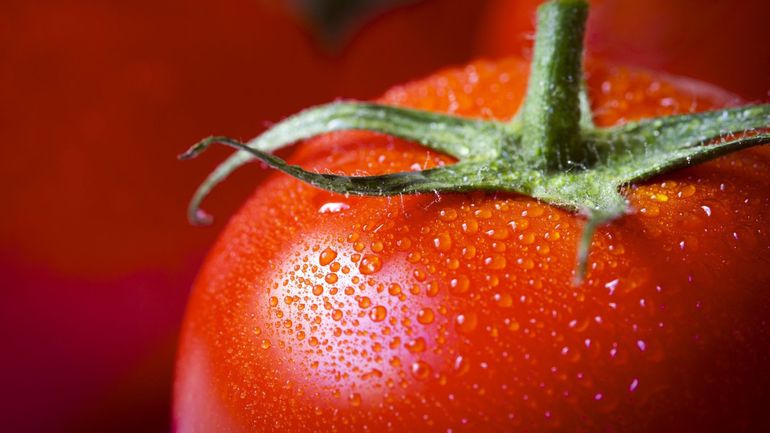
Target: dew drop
[(459, 285), (503, 300), (443, 242), (495, 262), (378, 313), (370, 264), (483, 213), (461, 365), (364, 302), (333, 207), (416, 346), (467, 323), (421, 370), (447, 214), (327, 256), (470, 226), (686, 191), (425, 316), (651, 211), (527, 238), (634, 385)]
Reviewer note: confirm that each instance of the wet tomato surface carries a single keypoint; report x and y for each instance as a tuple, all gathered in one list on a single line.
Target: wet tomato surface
[(456, 312)]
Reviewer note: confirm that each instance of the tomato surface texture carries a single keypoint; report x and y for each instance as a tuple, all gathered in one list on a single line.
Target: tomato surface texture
[(316, 312)]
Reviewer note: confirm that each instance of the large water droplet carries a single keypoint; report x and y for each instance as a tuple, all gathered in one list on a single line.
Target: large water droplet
[(327, 256), (378, 313), (370, 264)]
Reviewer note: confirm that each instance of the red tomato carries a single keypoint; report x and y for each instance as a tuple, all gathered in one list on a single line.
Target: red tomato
[(456, 312), (695, 38)]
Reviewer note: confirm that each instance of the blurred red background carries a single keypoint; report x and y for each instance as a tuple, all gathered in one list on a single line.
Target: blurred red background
[(96, 256)]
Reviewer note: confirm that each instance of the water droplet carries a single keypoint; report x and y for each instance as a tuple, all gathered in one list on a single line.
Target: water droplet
[(425, 316), (470, 226), (447, 214), (378, 313), (495, 262), (265, 343), (443, 242), (650, 211), (370, 264), (461, 365), (686, 191), (467, 323), (337, 315), (504, 300), (416, 346), (634, 385), (333, 207), (403, 244), (318, 290), (364, 302), (377, 246), (327, 256), (483, 213), (421, 370), (331, 278), (500, 233), (459, 285), (527, 238), (394, 289), (273, 301)]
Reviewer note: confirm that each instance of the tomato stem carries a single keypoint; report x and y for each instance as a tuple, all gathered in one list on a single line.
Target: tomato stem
[(550, 114)]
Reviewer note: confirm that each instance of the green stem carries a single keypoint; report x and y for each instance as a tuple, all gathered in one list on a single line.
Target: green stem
[(550, 115)]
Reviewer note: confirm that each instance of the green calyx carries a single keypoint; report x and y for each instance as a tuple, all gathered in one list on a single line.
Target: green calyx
[(550, 150)]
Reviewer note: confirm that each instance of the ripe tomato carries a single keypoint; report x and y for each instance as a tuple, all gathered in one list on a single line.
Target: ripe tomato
[(456, 312)]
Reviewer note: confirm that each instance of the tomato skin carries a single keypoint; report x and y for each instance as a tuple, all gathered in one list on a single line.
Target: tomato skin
[(455, 312)]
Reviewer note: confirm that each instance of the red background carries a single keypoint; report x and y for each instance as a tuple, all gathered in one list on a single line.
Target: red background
[(96, 256)]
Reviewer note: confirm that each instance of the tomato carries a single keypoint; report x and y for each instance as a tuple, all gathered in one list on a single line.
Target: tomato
[(455, 311), (686, 37)]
